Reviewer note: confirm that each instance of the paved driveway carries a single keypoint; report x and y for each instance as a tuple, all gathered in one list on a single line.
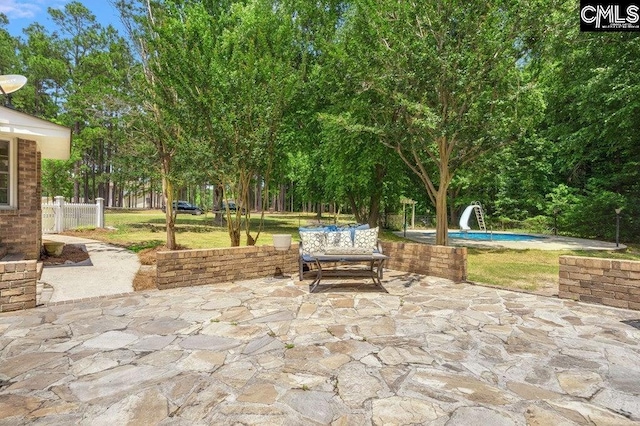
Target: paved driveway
[(268, 352)]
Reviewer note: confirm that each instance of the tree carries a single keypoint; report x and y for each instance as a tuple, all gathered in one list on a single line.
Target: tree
[(593, 85), (450, 79), (511, 183), (96, 63), (230, 70), (8, 46), (359, 171), (156, 118), (44, 66)]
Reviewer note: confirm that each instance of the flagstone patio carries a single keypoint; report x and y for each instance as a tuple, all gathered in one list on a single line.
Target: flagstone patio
[(268, 352)]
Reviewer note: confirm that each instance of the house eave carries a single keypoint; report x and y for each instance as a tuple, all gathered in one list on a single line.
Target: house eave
[(54, 140)]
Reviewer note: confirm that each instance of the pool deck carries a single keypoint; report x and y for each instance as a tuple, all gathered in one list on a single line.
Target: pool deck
[(547, 242)]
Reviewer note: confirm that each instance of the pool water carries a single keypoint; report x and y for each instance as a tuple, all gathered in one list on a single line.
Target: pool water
[(488, 236)]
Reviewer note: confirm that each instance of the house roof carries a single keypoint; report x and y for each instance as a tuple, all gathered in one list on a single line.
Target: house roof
[(54, 141)]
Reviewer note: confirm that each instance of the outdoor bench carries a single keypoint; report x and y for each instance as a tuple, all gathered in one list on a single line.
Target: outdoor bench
[(332, 246)]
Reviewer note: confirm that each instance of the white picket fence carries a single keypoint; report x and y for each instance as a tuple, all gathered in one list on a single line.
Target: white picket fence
[(59, 216)]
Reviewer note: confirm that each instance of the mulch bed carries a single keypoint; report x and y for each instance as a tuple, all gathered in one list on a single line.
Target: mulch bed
[(70, 254)]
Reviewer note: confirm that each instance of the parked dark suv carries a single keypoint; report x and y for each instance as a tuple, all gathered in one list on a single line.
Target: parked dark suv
[(184, 207), (232, 207)]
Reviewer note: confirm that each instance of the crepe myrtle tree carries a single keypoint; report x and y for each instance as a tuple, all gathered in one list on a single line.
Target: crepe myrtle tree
[(450, 79), (230, 68), (158, 116)]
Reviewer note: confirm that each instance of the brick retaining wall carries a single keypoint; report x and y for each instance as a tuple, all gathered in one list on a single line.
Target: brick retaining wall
[(609, 282), (18, 285), (436, 261), (185, 268)]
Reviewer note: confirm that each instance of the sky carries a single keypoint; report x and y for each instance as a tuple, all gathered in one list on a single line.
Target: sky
[(22, 13)]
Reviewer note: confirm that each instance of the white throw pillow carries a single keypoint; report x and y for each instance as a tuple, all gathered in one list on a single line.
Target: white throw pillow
[(366, 239), (339, 239), (313, 242)]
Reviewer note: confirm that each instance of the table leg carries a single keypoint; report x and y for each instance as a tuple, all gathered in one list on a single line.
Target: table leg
[(381, 269), (377, 276), (314, 284)]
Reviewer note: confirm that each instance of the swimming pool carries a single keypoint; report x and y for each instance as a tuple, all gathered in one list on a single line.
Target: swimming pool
[(514, 240), (489, 236)]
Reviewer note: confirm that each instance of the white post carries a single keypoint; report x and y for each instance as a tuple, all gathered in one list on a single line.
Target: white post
[(99, 212), (58, 213)]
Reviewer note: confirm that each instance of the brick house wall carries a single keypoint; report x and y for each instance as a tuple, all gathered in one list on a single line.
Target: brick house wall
[(609, 282), (21, 228)]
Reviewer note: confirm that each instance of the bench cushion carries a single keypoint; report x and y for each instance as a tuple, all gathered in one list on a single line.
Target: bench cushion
[(308, 258)]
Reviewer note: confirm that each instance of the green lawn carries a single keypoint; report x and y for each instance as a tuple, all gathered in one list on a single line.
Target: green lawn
[(522, 269), (531, 270), (143, 228)]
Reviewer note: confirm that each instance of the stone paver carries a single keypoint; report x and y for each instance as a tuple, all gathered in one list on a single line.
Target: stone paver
[(429, 352)]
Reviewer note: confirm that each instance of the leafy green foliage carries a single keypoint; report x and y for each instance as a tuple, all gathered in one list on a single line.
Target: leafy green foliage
[(507, 104), (8, 45), (440, 83), (593, 100)]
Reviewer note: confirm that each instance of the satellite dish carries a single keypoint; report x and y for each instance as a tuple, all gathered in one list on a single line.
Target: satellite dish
[(11, 83)]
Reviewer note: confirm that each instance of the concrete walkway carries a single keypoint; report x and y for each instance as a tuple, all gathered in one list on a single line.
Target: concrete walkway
[(429, 352), (111, 271)]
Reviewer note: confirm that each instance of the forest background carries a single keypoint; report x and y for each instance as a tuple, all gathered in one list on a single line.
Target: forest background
[(343, 106)]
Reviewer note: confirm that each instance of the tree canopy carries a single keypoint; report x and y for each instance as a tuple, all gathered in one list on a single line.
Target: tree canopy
[(344, 105)]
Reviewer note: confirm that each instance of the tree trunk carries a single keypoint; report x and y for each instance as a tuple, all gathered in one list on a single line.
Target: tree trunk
[(374, 209), (167, 190), (234, 220), (85, 196), (441, 217), (150, 193), (235, 238), (291, 191), (218, 216), (354, 208), (376, 196), (283, 198), (442, 223)]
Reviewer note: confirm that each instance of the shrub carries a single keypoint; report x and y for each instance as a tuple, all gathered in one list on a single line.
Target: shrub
[(538, 224)]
